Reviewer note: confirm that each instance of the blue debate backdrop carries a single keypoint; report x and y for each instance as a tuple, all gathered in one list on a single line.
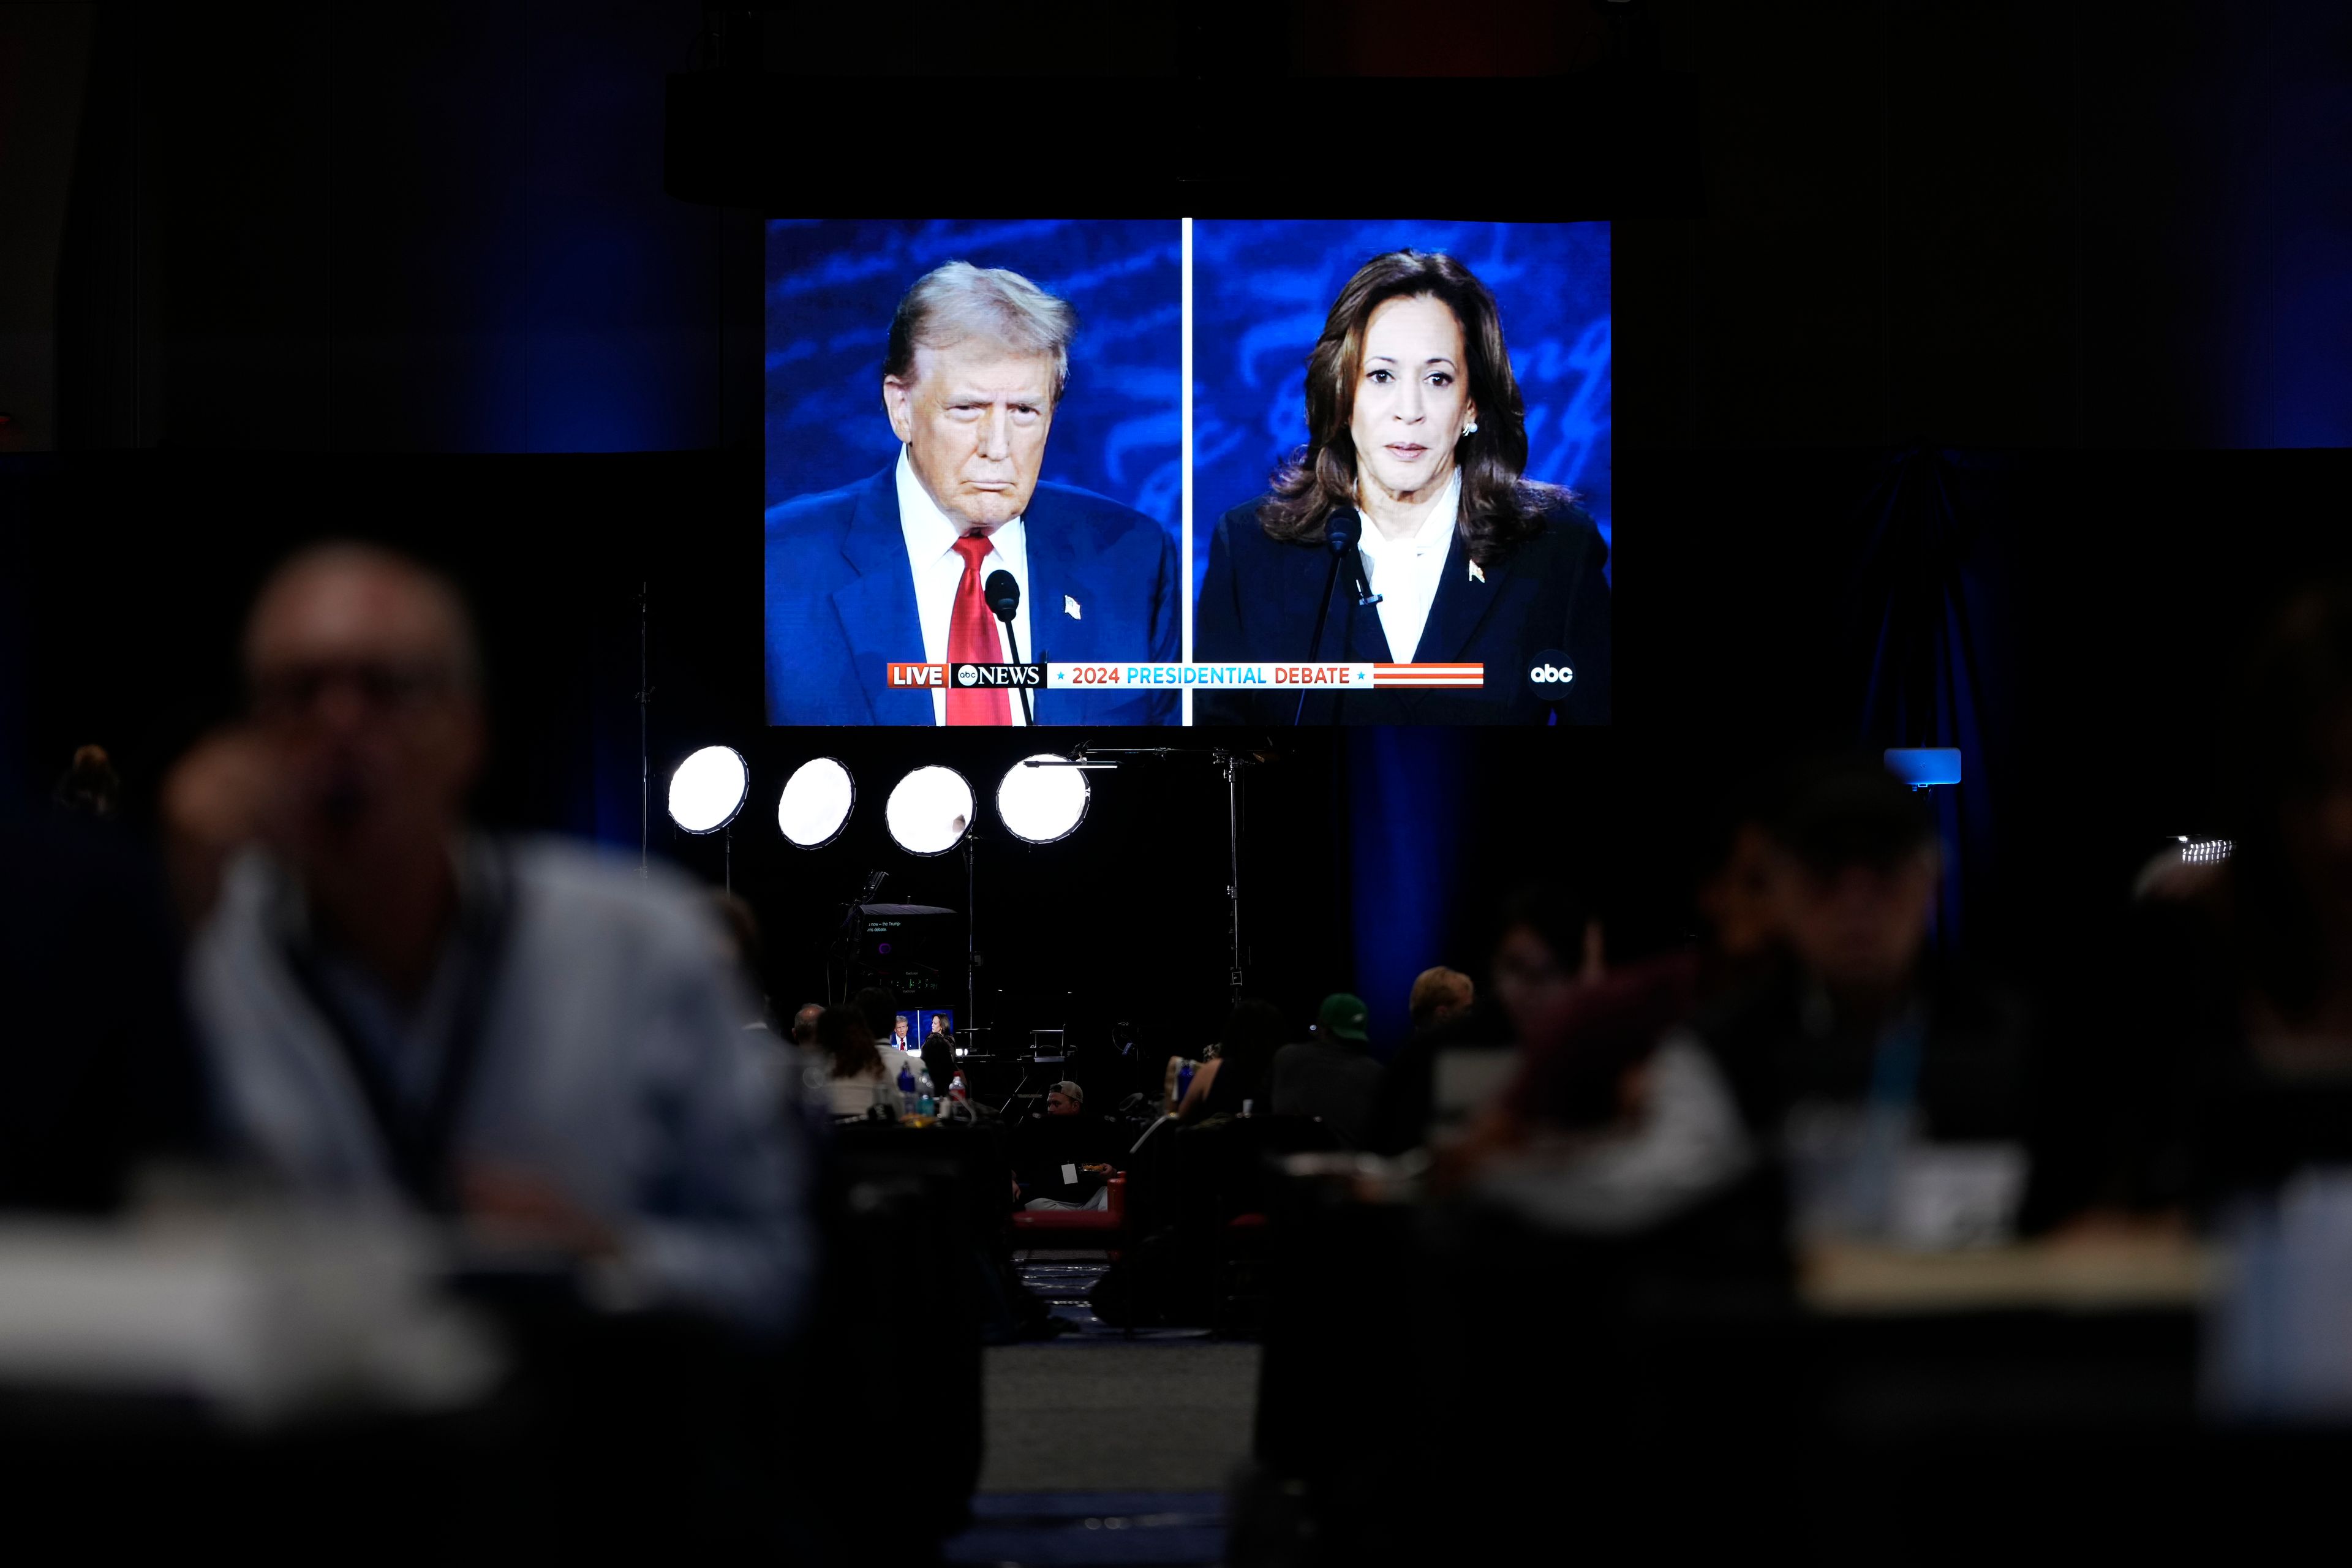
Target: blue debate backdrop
[(832, 286), (1261, 288)]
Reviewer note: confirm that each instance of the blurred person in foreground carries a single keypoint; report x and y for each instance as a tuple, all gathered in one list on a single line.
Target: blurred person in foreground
[(1893, 1077), (1886, 1080), (1619, 1117), (512, 1033), (2229, 1067), (1330, 1077), (1551, 944)]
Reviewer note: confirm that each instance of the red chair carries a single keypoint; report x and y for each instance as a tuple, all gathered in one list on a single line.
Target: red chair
[(1105, 1227)]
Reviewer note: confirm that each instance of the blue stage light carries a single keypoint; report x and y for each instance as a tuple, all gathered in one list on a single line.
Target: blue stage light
[(1922, 766)]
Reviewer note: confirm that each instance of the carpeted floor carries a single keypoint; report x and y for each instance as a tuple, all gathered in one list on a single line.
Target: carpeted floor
[(1105, 1449)]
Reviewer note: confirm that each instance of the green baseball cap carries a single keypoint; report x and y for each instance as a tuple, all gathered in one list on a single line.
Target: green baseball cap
[(1342, 1017)]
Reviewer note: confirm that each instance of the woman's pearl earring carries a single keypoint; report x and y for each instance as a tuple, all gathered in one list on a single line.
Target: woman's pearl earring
[(1470, 430)]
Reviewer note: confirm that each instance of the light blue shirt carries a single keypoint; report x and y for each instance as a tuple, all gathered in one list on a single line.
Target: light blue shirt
[(612, 1064)]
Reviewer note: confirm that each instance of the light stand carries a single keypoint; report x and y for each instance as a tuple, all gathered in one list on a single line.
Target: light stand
[(845, 943), (970, 930), (1230, 762)]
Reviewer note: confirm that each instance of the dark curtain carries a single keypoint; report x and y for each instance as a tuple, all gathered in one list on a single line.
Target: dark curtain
[(1925, 635)]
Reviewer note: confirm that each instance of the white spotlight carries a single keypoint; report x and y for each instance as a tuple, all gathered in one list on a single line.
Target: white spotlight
[(1040, 805), (815, 805), (928, 811), (706, 790)]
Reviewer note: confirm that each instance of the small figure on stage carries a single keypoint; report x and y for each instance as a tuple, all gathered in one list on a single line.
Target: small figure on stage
[(938, 1049)]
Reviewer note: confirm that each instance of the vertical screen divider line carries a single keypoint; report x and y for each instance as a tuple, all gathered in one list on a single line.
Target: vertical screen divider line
[(1184, 458)]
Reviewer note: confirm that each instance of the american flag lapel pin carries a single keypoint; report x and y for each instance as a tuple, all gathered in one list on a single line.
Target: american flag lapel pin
[(1477, 575), (1070, 608)]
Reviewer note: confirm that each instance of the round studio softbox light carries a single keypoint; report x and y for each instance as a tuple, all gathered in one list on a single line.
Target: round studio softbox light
[(706, 790), (816, 801), (929, 811), (1041, 804)]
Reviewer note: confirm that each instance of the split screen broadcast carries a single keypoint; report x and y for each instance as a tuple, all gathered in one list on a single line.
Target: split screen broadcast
[(985, 503)]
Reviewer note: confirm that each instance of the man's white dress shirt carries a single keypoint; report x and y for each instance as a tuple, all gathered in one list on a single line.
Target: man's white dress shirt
[(1405, 572), (938, 570)]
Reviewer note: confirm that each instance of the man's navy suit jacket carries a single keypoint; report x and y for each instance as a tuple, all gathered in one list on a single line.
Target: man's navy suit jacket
[(841, 606), (1548, 594)]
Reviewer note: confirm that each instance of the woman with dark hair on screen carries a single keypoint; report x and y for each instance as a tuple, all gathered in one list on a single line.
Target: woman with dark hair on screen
[(1413, 481)]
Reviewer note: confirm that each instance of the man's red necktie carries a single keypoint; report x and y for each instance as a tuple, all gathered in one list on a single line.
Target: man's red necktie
[(972, 639)]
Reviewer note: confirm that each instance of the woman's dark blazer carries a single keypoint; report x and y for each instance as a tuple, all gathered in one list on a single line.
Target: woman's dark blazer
[(1258, 604)]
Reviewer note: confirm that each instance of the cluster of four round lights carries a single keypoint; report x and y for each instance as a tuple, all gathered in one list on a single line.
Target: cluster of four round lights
[(928, 812)]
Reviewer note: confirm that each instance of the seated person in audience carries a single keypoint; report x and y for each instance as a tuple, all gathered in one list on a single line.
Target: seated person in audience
[(1063, 1158), (1233, 1081), (515, 1033), (89, 786), (1438, 996), (1550, 943), (805, 1023), (857, 1072), (1330, 1078)]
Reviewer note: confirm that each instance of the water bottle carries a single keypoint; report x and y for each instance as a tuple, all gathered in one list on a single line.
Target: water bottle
[(955, 1091), (907, 1089), (1183, 1081)]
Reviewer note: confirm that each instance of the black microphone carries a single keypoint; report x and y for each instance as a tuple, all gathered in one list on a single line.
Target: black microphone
[(1339, 538), (1003, 591), (1003, 595)]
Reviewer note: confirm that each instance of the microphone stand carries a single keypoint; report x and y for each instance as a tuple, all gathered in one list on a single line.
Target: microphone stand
[(1013, 642), (1322, 614)]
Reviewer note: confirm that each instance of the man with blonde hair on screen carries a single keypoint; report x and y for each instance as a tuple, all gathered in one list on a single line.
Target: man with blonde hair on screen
[(912, 565)]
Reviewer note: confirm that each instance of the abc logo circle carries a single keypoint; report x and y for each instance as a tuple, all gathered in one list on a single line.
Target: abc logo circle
[(967, 676), (1549, 674)]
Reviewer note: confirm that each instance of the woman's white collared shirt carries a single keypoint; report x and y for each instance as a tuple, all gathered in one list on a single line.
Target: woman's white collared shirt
[(1405, 572)]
